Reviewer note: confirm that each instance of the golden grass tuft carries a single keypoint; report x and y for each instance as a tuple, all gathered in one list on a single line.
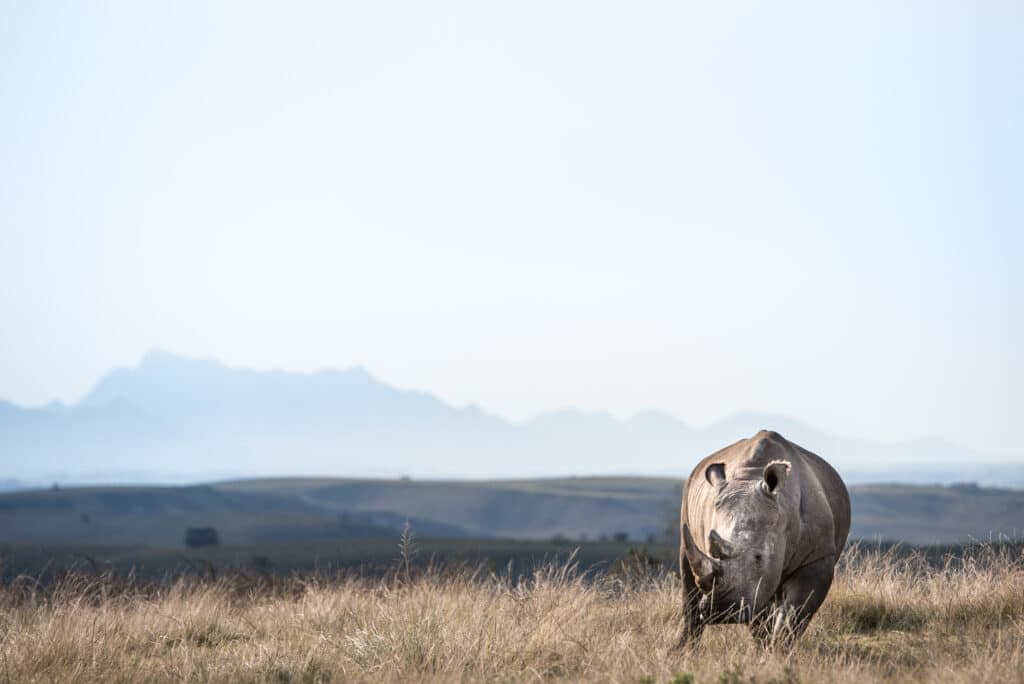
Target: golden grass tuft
[(886, 618)]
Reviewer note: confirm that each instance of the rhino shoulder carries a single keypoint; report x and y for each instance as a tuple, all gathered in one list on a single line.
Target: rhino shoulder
[(833, 494)]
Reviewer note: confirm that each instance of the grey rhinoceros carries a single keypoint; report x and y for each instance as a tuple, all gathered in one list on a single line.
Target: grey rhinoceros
[(762, 524)]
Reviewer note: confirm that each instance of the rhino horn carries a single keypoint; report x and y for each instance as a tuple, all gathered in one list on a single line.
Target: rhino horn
[(701, 563), (717, 546)]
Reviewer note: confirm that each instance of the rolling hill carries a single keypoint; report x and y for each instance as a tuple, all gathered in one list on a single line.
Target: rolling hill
[(330, 510)]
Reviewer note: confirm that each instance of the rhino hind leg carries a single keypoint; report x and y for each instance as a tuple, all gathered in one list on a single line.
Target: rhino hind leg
[(797, 600)]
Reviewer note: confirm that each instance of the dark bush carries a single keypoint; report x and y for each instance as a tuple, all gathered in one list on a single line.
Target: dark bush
[(201, 536)]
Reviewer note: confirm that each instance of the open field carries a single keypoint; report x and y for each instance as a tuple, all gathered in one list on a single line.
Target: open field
[(887, 618), (371, 557)]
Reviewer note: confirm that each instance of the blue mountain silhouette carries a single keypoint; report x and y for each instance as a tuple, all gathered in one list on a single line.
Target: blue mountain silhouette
[(173, 418)]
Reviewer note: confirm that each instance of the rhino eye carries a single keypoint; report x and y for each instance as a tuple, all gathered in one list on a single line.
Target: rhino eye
[(758, 558)]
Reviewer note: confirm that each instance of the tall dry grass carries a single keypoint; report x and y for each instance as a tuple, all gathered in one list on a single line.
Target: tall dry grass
[(886, 619)]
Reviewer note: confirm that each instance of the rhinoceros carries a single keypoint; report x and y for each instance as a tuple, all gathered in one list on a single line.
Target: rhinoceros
[(762, 524)]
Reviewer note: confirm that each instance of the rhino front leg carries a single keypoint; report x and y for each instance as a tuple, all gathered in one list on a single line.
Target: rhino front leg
[(693, 625), (796, 602)]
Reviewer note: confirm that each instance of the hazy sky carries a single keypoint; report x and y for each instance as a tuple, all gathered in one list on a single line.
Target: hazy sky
[(807, 209)]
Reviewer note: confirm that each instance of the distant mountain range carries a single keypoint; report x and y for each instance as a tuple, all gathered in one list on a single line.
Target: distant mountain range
[(173, 419)]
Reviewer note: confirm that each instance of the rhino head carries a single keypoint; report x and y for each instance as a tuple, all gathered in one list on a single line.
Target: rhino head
[(746, 542)]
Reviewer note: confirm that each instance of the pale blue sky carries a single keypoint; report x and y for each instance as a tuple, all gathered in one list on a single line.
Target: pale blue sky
[(811, 209)]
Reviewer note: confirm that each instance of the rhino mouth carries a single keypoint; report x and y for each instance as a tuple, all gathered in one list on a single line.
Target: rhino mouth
[(724, 610)]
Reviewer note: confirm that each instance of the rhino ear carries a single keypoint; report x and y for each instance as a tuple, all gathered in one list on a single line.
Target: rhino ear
[(775, 474), (715, 474)]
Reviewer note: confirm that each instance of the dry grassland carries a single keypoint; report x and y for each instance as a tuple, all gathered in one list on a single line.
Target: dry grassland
[(885, 619)]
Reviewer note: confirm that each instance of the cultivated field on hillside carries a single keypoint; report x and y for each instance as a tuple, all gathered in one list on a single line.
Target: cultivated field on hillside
[(887, 618)]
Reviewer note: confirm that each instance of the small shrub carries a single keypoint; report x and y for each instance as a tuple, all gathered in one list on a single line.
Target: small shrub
[(196, 537)]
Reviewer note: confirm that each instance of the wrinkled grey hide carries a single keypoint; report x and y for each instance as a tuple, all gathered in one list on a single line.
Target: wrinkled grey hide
[(762, 525)]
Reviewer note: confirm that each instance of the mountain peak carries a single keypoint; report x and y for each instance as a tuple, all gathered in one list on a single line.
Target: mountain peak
[(157, 356), (353, 374)]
